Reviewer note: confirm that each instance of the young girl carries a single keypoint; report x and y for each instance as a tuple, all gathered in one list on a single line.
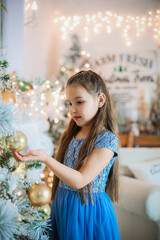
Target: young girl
[(85, 168)]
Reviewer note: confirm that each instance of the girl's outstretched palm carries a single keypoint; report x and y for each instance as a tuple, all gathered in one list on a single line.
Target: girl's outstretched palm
[(32, 155)]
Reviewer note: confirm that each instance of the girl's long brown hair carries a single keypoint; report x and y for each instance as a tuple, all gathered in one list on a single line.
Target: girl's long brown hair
[(94, 84)]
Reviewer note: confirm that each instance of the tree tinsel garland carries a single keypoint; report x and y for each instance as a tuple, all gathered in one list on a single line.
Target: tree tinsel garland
[(7, 118), (8, 219), (39, 231)]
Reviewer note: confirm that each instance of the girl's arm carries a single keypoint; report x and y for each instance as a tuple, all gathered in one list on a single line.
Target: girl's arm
[(77, 179)]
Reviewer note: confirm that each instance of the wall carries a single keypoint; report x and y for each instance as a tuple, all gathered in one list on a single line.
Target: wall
[(13, 36), (43, 45)]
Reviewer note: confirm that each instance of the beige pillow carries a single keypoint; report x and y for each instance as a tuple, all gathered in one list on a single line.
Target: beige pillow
[(124, 170), (148, 171)]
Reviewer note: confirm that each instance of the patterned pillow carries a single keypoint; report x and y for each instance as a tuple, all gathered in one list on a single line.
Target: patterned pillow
[(147, 171)]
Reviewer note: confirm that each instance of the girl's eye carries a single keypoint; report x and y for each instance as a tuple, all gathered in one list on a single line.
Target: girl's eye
[(79, 102), (69, 104)]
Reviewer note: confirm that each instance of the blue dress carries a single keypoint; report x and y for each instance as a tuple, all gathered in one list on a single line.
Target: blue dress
[(70, 219)]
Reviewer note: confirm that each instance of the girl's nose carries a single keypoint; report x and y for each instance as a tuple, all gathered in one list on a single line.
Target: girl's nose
[(73, 110)]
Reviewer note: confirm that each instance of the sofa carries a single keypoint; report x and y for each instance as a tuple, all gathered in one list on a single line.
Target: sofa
[(138, 209)]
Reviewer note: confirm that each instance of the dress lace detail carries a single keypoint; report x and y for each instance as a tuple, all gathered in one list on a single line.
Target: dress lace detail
[(106, 139)]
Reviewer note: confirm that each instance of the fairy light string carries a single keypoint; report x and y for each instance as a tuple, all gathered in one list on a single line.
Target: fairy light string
[(108, 22), (30, 5), (44, 97)]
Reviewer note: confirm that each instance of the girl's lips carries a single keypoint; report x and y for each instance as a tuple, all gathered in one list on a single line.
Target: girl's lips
[(77, 117)]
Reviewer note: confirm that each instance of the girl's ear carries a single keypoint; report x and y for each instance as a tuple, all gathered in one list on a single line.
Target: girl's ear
[(102, 99)]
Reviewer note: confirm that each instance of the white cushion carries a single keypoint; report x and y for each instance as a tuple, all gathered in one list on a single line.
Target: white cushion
[(148, 171), (152, 205), (135, 155)]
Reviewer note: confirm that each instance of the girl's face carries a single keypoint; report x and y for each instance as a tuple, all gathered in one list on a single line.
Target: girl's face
[(83, 106)]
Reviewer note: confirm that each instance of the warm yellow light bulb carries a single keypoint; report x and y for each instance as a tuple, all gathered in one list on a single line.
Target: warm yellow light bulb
[(87, 65), (42, 175), (55, 103), (88, 55), (71, 28), (118, 24), (129, 43), (95, 30), (76, 70), (55, 20), (63, 69), (21, 84), (34, 6), (19, 193), (44, 113), (109, 29), (56, 120), (51, 174), (64, 37), (83, 52)]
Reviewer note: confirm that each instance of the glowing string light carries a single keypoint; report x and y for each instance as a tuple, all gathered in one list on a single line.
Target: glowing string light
[(34, 6), (108, 21)]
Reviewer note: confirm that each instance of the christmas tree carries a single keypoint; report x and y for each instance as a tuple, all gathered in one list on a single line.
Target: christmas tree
[(24, 208)]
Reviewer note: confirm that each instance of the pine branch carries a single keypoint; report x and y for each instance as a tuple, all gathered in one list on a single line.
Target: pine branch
[(31, 165), (3, 64), (5, 160), (18, 237)]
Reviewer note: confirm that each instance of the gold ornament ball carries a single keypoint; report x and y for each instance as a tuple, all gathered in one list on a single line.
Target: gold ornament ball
[(8, 96), (46, 208), (16, 142), (39, 194)]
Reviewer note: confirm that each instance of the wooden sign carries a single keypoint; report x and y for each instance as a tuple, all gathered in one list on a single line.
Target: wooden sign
[(131, 79)]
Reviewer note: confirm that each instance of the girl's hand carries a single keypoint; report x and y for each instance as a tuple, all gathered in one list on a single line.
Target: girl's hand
[(32, 155)]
